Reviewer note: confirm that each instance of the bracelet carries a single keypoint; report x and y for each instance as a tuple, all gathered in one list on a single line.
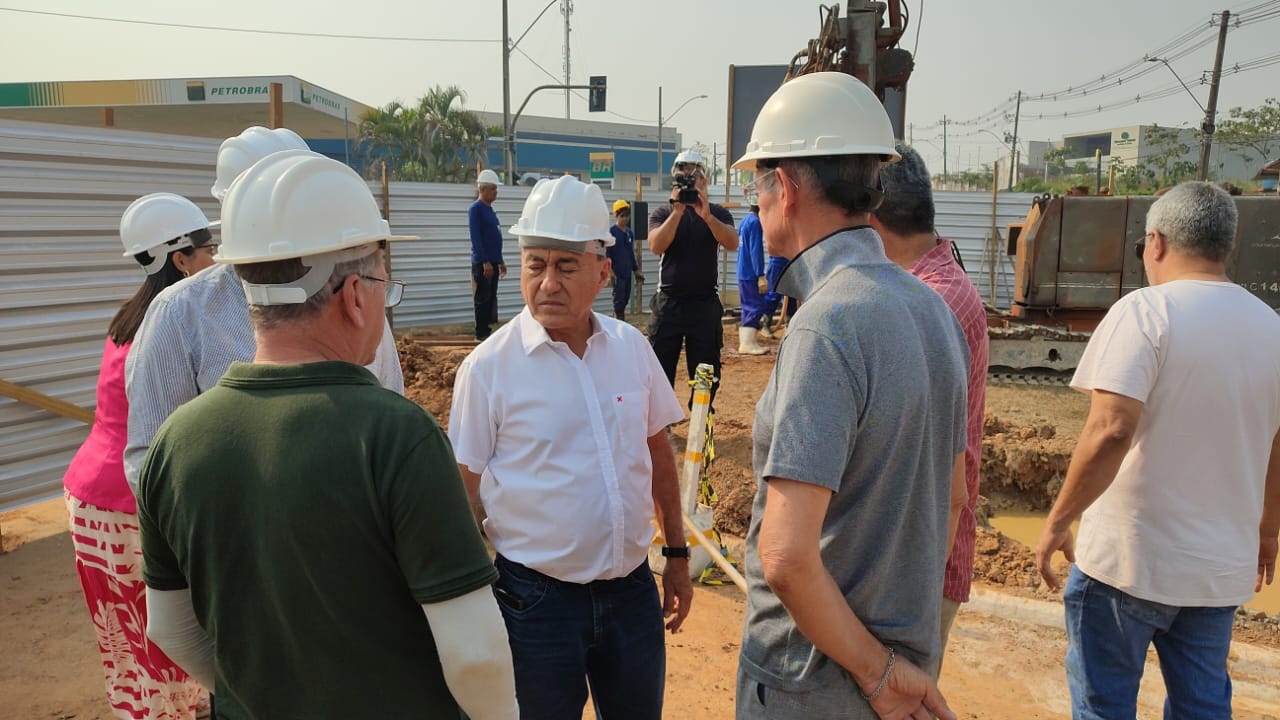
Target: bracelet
[(884, 681)]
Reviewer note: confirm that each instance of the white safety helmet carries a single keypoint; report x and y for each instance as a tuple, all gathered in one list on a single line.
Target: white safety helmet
[(565, 214), (237, 154), (820, 114), (299, 204), (487, 177), (689, 157), (160, 219)]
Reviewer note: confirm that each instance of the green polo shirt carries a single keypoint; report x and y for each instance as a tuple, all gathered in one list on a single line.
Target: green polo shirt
[(311, 513)]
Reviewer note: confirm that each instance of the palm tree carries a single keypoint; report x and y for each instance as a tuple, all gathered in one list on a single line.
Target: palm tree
[(381, 136), (436, 141)]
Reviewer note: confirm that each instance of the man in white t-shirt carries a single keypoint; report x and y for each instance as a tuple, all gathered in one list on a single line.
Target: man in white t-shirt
[(559, 428), (1176, 472)]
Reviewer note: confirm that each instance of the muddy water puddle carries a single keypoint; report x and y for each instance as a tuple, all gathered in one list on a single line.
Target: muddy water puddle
[(1025, 527)]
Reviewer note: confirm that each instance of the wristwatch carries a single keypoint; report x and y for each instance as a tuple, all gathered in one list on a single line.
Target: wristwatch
[(676, 552)]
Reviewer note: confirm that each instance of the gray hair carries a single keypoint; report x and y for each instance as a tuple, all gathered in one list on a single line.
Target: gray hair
[(908, 195), (1197, 218), (283, 271), (842, 179)]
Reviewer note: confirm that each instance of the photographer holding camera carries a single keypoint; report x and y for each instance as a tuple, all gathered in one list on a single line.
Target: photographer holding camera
[(687, 233)]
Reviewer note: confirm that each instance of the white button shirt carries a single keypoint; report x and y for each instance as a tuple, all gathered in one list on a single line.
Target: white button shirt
[(560, 443)]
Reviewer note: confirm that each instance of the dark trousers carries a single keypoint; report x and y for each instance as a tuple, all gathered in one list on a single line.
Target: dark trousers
[(485, 298), (693, 325), (565, 636), (621, 294)]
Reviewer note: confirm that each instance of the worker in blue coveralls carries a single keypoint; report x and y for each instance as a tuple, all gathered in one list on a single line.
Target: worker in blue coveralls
[(486, 252), (623, 257), (773, 299), (752, 283)]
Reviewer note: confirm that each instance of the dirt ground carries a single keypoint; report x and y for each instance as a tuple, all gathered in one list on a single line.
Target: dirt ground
[(996, 668)]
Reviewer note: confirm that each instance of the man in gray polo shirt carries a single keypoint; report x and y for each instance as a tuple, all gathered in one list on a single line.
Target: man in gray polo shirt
[(856, 436)]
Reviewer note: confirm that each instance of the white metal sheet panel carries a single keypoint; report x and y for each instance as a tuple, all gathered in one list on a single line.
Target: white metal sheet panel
[(62, 277)]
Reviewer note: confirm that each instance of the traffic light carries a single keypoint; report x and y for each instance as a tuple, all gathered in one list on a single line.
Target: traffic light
[(595, 100)]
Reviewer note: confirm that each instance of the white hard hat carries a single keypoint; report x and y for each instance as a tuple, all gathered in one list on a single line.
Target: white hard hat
[(160, 219), (564, 213), (820, 114), (691, 157), (487, 177), (298, 204), (237, 154)]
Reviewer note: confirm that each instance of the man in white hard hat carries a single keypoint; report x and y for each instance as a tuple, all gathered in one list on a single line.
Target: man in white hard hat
[(558, 423), (856, 436), (688, 233), (195, 329), (307, 544), (904, 222), (487, 266)]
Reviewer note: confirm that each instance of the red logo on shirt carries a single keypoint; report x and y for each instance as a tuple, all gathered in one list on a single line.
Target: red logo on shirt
[(619, 398)]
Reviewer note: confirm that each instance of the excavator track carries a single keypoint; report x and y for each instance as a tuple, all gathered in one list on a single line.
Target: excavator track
[(1034, 355)]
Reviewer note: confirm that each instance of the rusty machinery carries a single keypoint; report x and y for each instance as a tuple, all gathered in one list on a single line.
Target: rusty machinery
[(1074, 257), (863, 43)]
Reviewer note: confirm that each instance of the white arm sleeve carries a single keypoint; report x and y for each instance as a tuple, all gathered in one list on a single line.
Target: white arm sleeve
[(471, 639), (171, 624), (386, 362)]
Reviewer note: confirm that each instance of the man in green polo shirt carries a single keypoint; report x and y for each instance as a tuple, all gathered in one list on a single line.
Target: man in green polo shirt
[(308, 545)]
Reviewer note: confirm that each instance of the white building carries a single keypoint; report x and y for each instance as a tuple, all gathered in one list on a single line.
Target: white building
[(1152, 146)]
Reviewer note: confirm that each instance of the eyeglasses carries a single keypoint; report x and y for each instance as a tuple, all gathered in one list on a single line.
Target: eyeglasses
[(751, 191), (1141, 245), (394, 291)]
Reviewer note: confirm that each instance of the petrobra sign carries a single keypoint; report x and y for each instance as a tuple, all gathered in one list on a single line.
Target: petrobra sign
[(311, 96), (241, 90)]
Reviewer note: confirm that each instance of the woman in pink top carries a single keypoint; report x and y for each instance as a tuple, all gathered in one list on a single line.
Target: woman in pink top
[(169, 236)]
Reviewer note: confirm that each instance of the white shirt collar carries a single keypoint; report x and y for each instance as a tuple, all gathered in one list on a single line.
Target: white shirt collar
[(533, 335)]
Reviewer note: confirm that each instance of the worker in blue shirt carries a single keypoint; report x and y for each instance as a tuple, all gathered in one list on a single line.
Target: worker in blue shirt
[(752, 284), (623, 257), (486, 252)]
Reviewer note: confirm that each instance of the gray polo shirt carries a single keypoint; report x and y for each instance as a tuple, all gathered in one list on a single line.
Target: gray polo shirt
[(867, 399)]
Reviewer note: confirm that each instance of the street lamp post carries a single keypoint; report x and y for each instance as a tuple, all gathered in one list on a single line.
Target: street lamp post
[(508, 135), (660, 122), (1013, 150), (1206, 127)]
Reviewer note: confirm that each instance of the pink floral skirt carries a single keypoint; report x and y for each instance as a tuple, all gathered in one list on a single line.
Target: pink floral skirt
[(142, 682)]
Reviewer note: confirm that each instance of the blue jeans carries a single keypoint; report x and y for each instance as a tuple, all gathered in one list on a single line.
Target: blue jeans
[(1108, 633), (608, 633)]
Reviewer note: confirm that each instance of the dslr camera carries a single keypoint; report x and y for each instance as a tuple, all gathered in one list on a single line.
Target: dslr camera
[(688, 187)]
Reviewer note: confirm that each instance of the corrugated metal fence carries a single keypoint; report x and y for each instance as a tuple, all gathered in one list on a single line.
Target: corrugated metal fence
[(62, 277)]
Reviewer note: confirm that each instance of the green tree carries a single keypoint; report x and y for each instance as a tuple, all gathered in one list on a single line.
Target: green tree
[(1164, 156), (1056, 161), (1084, 174), (1252, 133), (436, 141)]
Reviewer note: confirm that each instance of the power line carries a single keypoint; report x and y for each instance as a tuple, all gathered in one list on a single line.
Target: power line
[(254, 31)]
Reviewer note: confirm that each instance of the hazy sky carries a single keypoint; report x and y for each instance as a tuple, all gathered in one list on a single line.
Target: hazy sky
[(971, 56)]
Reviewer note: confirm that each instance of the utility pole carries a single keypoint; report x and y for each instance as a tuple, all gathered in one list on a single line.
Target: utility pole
[(657, 179), (944, 150), (566, 7), (911, 134), (508, 170), (1013, 147), (1207, 128)]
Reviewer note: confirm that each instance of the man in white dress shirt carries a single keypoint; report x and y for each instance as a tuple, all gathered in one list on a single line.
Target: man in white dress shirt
[(558, 424)]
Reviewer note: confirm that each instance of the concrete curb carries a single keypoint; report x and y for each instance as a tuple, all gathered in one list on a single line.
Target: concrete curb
[(1252, 660)]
